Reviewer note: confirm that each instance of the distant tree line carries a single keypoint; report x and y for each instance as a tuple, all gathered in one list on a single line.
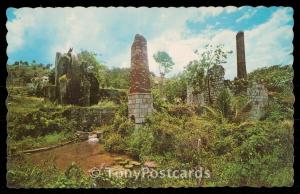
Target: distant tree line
[(21, 72)]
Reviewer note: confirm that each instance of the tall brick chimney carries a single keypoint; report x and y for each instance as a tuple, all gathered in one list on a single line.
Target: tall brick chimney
[(240, 54), (140, 100)]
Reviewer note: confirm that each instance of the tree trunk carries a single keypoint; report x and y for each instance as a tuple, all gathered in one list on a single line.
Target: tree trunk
[(161, 93), (208, 88)]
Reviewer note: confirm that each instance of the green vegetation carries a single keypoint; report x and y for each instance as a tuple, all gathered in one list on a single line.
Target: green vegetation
[(165, 64), (106, 104), (35, 122), (197, 71), (21, 72), (237, 151)]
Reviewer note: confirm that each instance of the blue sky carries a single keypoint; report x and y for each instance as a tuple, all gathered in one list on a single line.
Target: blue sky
[(37, 34)]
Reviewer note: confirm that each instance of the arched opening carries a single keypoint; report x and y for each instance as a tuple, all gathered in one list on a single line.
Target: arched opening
[(132, 118)]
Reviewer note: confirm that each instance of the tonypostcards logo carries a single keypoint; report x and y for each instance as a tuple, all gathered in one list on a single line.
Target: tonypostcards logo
[(150, 173)]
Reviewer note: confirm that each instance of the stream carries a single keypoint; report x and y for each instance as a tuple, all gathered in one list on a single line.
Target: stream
[(84, 154)]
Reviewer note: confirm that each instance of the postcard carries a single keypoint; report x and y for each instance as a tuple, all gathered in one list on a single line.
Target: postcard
[(124, 97)]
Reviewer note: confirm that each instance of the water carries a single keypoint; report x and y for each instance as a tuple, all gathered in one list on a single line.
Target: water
[(93, 139), (84, 154)]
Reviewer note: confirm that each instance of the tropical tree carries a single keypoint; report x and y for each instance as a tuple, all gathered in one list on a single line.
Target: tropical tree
[(195, 75), (99, 69), (175, 88), (198, 69), (119, 78), (165, 65)]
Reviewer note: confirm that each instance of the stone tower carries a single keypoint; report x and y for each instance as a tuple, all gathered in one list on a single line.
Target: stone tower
[(240, 54), (74, 84), (140, 100), (258, 94), (216, 82)]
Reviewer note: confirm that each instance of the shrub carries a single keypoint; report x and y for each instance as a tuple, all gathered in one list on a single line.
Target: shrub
[(115, 143), (223, 103), (39, 123), (26, 175), (106, 104), (158, 103), (180, 110), (126, 128), (164, 139), (140, 143)]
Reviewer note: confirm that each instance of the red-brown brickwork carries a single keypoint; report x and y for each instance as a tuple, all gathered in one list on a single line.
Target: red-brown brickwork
[(140, 80)]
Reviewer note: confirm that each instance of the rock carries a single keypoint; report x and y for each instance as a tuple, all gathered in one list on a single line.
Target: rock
[(135, 163), (92, 136), (118, 159), (93, 140), (117, 168), (124, 162), (128, 166), (82, 135), (150, 164), (99, 134)]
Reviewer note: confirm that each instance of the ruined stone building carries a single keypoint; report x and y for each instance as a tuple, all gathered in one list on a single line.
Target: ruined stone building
[(214, 84), (140, 100), (74, 84), (258, 94), (194, 99)]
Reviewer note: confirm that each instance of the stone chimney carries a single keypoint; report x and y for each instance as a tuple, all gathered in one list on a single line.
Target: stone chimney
[(240, 54), (140, 100)]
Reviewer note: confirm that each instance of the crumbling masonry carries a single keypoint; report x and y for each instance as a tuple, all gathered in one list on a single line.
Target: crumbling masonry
[(140, 100), (240, 56)]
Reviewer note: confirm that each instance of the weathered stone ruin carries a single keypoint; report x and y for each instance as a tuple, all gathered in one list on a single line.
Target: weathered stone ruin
[(213, 87), (258, 94), (49, 92), (215, 82), (194, 99), (140, 100), (74, 83), (87, 117), (240, 55)]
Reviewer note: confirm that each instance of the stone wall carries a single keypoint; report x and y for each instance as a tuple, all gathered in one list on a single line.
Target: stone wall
[(189, 95), (258, 94), (195, 99), (115, 95), (49, 92), (216, 82), (86, 117), (139, 106)]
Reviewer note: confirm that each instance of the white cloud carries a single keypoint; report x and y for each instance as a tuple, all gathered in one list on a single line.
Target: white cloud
[(247, 15), (17, 29), (231, 9), (101, 30), (262, 44)]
